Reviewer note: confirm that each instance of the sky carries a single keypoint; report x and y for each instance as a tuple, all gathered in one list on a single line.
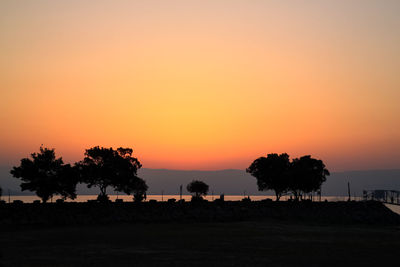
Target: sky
[(202, 84)]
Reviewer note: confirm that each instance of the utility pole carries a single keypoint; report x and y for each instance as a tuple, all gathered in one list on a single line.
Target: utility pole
[(180, 192), (319, 194), (162, 195), (348, 190)]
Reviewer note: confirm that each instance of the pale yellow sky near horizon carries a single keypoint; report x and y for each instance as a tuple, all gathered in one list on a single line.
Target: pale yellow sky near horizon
[(202, 84)]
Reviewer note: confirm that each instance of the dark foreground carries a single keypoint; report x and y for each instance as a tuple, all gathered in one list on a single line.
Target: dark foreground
[(17, 216), (262, 243)]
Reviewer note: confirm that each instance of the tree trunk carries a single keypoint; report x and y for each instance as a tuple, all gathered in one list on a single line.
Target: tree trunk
[(278, 196), (45, 198), (103, 190)]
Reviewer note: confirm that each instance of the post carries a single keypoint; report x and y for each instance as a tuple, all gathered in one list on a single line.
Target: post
[(9, 196), (162, 195), (180, 192), (348, 190)]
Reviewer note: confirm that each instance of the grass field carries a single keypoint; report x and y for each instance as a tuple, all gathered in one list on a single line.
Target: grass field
[(270, 243)]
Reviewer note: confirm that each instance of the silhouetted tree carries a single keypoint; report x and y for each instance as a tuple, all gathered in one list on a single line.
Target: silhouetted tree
[(307, 175), (46, 175), (272, 173), (127, 180), (67, 177), (105, 167), (135, 186), (199, 188), (139, 190)]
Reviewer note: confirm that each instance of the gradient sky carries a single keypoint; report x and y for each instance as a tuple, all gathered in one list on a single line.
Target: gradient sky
[(202, 84)]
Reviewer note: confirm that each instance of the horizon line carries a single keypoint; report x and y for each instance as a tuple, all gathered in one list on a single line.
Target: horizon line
[(231, 169)]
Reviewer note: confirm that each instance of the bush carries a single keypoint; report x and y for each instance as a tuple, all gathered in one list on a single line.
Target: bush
[(199, 189)]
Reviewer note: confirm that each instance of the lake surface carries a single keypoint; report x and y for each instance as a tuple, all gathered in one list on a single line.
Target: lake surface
[(85, 198)]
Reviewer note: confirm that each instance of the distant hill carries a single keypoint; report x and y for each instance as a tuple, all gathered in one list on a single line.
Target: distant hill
[(234, 182)]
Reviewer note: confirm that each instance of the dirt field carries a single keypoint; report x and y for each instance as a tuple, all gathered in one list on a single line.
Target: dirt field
[(270, 243)]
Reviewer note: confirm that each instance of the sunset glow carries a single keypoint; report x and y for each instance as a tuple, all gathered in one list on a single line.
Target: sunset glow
[(202, 84)]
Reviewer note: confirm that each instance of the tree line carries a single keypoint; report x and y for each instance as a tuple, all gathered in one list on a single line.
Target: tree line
[(47, 175), (300, 176)]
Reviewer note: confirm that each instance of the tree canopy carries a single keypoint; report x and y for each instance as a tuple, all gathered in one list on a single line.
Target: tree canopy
[(46, 175), (307, 175), (104, 167), (271, 173), (199, 188), (299, 176)]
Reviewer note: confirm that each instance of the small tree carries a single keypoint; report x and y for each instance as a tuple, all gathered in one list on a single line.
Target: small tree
[(46, 175), (139, 190), (307, 175), (272, 173), (199, 189), (135, 186)]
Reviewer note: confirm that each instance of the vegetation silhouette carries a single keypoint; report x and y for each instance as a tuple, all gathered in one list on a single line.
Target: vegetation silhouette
[(272, 173), (47, 175), (199, 188), (300, 176), (104, 167), (307, 175), (135, 186)]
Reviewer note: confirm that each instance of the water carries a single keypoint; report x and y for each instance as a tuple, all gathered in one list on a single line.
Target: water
[(85, 198)]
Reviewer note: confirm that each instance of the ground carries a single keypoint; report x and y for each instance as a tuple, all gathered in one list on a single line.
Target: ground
[(268, 243)]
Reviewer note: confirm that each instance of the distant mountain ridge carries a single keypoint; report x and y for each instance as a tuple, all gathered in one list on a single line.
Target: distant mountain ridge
[(233, 182)]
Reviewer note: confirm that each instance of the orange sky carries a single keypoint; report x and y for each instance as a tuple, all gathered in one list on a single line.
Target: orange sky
[(202, 84)]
